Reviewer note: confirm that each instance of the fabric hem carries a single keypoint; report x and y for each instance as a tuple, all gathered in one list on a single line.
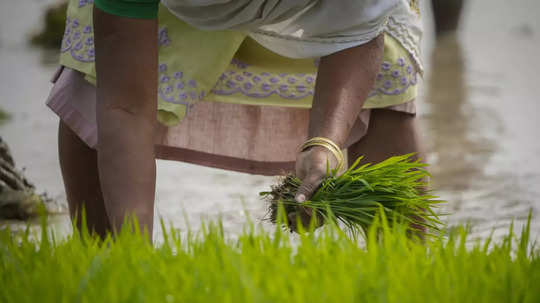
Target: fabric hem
[(164, 152), (393, 28), (76, 122)]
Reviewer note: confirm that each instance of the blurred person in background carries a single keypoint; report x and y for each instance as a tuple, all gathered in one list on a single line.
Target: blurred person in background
[(446, 14)]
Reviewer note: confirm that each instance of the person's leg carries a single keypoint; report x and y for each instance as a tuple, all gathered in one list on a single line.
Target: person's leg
[(390, 133), (78, 163)]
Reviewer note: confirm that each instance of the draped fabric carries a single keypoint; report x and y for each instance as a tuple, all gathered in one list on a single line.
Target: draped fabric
[(292, 28)]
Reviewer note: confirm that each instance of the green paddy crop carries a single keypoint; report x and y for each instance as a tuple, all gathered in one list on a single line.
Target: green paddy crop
[(397, 186), (262, 266)]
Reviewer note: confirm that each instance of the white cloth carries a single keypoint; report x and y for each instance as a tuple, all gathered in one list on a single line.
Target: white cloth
[(292, 28)]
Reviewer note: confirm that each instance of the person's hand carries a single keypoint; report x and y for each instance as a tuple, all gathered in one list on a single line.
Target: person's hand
[(311, 167)]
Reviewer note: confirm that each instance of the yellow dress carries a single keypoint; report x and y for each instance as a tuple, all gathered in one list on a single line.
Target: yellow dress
[(228, 66), (224, 100)]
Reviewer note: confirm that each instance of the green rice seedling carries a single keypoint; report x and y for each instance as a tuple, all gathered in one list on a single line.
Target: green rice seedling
[(262, 266), (397, 185)]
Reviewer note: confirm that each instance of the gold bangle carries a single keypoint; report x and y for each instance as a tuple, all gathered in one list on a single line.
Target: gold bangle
[(328, 144)]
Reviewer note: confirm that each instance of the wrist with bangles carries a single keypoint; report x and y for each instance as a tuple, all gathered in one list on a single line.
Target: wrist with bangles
[(329, 145)]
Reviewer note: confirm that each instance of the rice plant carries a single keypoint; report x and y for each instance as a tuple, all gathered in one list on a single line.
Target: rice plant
[(397, 185), (260, 266)]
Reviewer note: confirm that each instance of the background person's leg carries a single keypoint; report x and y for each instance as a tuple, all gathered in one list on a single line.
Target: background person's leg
[(78, 163)]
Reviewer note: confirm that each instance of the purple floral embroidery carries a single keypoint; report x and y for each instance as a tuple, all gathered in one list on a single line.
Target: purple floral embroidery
[(74, 33), (239, 64), (85, 2), (404, 80), (409, 69), (264, 84), (172, 88), (266, 87), (78, 41), (394, 79), (163, 37), (67, 30)]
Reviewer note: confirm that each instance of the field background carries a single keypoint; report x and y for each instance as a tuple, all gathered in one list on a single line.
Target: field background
[(478, 111)]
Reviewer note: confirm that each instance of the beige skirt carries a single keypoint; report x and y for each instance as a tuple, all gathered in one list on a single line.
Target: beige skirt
[(246, 138)]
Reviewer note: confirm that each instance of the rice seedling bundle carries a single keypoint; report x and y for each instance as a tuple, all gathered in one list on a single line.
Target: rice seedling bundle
[(396, 186)]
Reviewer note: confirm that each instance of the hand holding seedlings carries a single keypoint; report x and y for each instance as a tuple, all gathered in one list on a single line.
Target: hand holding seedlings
[(395, 186)]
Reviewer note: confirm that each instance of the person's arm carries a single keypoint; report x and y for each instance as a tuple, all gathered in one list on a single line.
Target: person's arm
[(344, 81), (126, 66)]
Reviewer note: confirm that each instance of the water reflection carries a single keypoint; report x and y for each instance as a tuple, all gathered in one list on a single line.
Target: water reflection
[(461, 145), (458, 156)]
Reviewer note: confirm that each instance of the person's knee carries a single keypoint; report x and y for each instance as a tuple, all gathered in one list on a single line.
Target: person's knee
[(390, 133), (393, 118)]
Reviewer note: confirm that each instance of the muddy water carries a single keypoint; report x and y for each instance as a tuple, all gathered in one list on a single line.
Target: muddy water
[(478, 115)]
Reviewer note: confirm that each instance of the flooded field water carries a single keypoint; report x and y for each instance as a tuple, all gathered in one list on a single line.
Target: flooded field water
[(478, 114)]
